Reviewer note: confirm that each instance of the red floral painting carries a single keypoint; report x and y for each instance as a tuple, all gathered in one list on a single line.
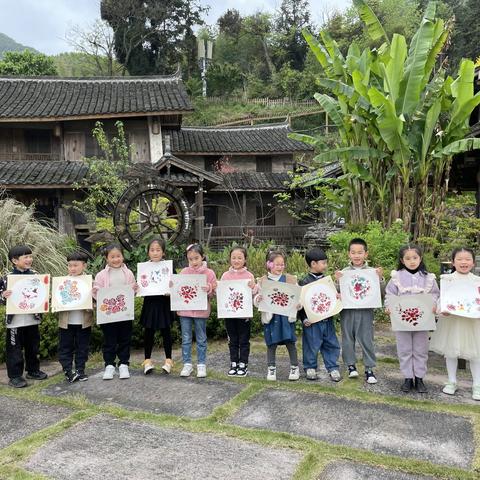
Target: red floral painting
[(411, 315), (235, 301), (188, 293), (111, 306), (320, 303), (280, 299)]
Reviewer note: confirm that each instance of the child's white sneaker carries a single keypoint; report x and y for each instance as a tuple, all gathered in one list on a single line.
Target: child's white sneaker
[(109, 372), (201, 371), (311, 374), (335, 375), (272, 374), (450, 388), (476, 392), (186, 370), (123, 372), (294, 373)]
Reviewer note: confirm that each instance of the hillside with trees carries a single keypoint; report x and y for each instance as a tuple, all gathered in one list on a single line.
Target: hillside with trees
[(8, 44)]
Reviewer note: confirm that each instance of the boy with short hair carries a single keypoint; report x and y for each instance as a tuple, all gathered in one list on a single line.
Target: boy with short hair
[(22, 334), (357, 324), (320, 336), (75, 327)]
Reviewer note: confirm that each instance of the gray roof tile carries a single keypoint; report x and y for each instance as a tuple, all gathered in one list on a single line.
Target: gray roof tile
[(63, 98), (270, 138)]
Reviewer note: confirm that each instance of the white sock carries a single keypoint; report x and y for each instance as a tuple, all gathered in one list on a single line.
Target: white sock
[(475, 369), (452, 369)]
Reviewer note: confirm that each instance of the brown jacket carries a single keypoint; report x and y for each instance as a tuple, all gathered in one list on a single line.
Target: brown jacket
[(87, 319)]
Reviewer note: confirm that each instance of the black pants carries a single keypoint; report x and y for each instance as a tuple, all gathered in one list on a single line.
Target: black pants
[(117, 338), (73, 342), (149, 336), (18, 340), (238, 331)]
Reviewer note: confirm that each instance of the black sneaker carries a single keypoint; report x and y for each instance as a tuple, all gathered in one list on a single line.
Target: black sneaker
[(82, 376), (233, 369), (352, 371), (369, 376), (38, 375), (17, 382), (242, 370), (71, 377), (420, 386), (407, 385)]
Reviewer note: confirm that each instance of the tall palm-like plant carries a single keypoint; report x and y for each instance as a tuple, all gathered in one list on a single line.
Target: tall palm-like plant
[(400, 121)]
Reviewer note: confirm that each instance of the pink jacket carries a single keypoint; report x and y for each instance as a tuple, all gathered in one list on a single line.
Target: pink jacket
[(211, 280), (102, 279)]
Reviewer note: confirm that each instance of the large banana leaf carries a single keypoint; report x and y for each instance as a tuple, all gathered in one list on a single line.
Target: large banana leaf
[(331, 107), (412, 83), (305, 139), (358, 153), (318, 49), (459, 146), (338, 87), (459, 121), (394, 69), (374, 27), (440, 36), (462, 87)]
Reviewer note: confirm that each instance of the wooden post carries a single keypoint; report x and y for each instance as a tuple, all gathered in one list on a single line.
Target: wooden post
[(199, 214)]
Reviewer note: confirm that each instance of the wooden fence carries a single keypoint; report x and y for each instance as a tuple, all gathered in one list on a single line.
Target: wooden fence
[(268, 102)]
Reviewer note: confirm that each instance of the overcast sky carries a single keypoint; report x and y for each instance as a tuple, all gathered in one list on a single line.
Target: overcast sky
[(42, 24)]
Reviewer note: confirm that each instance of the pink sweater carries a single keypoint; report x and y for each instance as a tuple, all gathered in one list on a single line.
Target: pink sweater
[(211, 280), (102, 279)]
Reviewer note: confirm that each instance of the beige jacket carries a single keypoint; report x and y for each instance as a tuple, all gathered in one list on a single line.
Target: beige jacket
[(87, 319)]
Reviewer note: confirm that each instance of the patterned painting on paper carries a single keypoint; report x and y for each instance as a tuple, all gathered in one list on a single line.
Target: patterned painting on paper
[(460, 296), (234, 299), (153, 278), (319, 300), (72, 293), (30, 294), (279, 297), (360, 288), (412, 313), (115, 304), (187, 293)]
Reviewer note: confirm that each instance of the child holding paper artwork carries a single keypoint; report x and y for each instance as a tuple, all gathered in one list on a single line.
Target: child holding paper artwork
[(459, 337), (197, 265), (357, 323), (238, 329), (412, 278), (75, 327), (320, 336), (278, 329), (117, 336), (156, 315)]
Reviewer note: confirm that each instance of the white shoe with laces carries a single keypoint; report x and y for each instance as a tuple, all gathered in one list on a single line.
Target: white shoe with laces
[(450, 388), (186, 370), (109, 372), (272, 374), (294, 373), (123, 371), (201, 371)]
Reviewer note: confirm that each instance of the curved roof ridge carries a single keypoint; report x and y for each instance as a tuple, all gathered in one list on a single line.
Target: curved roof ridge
[(51, 79), (260, 126)]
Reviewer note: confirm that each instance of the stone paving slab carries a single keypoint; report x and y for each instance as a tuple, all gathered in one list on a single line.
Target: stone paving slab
[(109, 448), (436, 437), (49, 367), (20, 418), (156, 393), (357, 471), (390, 380)]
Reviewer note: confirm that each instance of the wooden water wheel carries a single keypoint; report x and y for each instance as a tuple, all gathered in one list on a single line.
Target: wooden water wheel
[(152, 208)]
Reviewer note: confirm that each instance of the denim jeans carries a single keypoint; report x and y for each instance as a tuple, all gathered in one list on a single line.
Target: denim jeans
[(320, 337), (200, 325)]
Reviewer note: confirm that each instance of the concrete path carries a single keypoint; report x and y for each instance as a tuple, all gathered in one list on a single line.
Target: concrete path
[(164, 426)]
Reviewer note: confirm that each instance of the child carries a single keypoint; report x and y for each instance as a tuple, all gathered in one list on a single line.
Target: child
[(156, 315), (278, 329), (412, 347), (75, 328), (320, 336), (117, 336), (357, 324), (22, 330), (198, 318), (459, 337), (238, 329)]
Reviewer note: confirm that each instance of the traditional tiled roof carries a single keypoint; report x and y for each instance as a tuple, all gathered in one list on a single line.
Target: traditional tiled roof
[(266, 139), (253, 182), (55, 98), (41, 173)]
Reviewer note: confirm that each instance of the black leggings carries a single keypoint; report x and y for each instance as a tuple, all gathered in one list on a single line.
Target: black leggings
[(148, 338)]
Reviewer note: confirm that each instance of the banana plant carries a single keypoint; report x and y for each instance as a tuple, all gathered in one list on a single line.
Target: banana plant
[(400, 121)]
